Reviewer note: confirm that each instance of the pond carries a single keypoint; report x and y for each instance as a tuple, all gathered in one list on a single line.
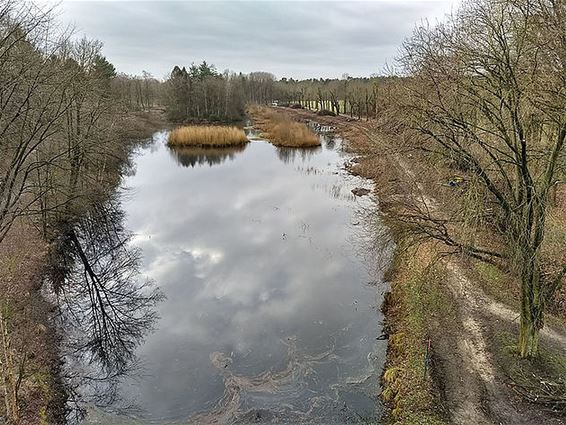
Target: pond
[(272, 282)]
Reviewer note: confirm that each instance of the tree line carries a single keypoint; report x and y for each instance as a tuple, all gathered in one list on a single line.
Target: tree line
[(201, 93), (360, 97)]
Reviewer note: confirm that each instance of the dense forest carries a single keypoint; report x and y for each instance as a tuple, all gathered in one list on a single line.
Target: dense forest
[(203, 94)]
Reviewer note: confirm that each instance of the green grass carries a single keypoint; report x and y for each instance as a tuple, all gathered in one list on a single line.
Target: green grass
[(495, 282), (415, 294)]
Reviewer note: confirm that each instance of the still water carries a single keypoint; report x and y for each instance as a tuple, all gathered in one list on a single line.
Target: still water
[(272, 282)]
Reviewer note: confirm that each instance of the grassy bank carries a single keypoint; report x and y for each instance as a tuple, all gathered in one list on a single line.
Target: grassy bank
[(207, 136), (410, 386), (28, 345), (281, 130)]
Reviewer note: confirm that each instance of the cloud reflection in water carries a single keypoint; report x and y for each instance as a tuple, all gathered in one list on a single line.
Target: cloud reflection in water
[(267, 312)]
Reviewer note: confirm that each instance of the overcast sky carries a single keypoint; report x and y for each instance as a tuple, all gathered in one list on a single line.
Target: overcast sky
[(287, 38)]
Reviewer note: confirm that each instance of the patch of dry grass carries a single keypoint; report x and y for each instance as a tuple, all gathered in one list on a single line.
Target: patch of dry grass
[(281, 130), (553, 251), (207, 136), (29, 389)]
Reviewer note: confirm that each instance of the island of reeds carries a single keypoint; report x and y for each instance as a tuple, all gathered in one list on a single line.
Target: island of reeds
[(207, 136), (281, 130)]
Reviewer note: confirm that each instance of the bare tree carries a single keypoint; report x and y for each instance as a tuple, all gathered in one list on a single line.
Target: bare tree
[(33, 100), (486, 90)]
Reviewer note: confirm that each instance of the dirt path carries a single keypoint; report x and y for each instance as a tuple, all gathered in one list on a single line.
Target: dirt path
[(468, 374), (473, 388)]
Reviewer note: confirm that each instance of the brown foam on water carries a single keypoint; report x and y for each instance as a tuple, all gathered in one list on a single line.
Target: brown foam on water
[(288, 383)]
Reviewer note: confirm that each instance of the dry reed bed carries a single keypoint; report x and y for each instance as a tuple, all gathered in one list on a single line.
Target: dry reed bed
[(207, 136), (281, 130)]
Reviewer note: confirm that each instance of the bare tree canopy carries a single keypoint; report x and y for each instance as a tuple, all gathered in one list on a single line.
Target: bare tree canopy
[(486, 89)]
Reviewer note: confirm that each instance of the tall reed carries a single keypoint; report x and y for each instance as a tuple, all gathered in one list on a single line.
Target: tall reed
[(281, 130), (207, 136)]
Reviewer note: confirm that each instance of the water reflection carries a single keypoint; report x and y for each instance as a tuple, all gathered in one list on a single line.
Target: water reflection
[(194, 156), (268, 316), (106, 307), (330, 141), (289, 155)]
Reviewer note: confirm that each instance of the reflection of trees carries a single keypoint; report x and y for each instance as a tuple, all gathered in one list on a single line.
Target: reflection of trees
[(329, 140), (288, 155), (106, 307), (191, 156)]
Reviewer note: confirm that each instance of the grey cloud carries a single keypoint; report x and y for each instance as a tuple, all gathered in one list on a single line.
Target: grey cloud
[(298, 39)]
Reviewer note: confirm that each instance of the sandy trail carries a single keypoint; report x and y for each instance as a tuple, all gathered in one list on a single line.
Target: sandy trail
[(466, 398)]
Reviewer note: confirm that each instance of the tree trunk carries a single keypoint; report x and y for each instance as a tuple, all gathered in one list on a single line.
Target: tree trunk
[(528, 338), (532, 307)]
